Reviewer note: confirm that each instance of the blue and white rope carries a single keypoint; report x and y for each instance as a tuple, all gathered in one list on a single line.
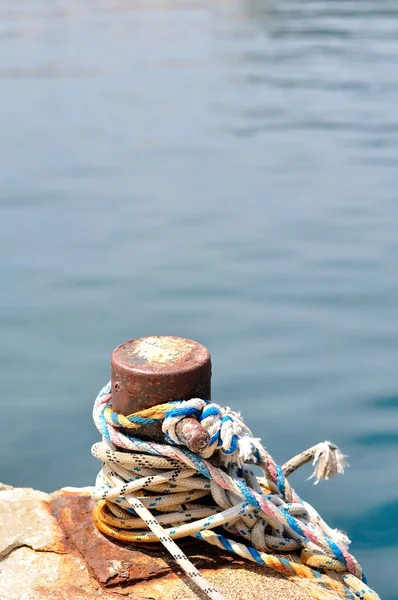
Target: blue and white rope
[(168, 479)]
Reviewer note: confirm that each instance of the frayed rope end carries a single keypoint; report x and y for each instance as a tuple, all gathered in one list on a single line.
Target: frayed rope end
[(328, 461)]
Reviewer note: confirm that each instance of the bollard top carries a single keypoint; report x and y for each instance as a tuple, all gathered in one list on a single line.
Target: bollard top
[(160, 354), (153, 370)]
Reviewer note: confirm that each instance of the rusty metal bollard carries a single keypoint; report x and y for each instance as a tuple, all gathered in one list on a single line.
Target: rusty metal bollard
[(154, 370)]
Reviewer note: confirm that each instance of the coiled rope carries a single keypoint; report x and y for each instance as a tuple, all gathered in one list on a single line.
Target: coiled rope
[(144, 486)]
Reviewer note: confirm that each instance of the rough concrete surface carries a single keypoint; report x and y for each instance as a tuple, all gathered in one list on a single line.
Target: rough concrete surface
[(50, 549)]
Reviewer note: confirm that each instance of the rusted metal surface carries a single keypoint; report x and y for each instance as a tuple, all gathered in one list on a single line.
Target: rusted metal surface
[(194, 437), (113, 564), (154, 370)]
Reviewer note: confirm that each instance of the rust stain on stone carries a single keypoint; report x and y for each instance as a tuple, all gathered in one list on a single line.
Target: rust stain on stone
[(114, 565), (59, 542), (80, 564)]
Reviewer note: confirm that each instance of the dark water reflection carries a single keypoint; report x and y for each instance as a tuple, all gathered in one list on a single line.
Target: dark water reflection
[(225, 171)]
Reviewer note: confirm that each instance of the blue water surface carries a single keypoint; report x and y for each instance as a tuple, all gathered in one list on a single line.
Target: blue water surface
[(223, 171)]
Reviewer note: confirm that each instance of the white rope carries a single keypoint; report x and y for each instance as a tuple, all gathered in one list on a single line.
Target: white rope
[(170, 480)]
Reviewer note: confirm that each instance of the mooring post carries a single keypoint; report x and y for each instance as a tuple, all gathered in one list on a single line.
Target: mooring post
[(154, 370)]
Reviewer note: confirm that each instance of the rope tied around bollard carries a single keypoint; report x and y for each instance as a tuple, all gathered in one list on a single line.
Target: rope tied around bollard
[(145, 486)]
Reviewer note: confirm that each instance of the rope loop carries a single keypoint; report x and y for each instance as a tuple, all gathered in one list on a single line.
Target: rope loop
[(149, 492)]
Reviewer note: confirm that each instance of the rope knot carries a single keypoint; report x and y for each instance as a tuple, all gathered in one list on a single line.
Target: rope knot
[(227, 432)]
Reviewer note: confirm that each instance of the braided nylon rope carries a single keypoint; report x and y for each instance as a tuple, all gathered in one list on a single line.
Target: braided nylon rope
[(154, 485)]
